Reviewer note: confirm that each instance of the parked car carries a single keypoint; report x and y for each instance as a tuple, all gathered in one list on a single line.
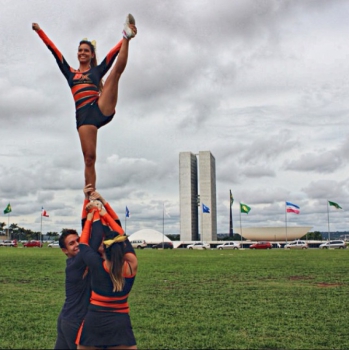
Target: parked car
[(165, 245), (199, 245), (333, 244), (261, 245), (8, 243), (138, 243), (53, 245), (296, 245), (33, 244), (228, 245), (276, 245)]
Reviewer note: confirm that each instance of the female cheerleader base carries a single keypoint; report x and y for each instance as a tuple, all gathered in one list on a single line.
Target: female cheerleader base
[(107, 323), (94, 103)]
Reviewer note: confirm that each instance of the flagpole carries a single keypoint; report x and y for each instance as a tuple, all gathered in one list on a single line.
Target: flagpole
[(328, 220), (202, 224), (230, 217), (240, 225), (163, 224), (286, 220), (41, 227), (8, 225), (125, 223)]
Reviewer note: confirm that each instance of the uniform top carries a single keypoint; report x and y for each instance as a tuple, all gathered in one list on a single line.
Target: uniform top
[(84, 85), (103, 298)]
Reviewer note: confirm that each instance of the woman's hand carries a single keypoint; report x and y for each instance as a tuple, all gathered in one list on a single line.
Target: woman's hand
[(88, 189), (35, 27), (95, 195)]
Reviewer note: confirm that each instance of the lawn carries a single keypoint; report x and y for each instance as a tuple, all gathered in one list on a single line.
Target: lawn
[(194, 299)]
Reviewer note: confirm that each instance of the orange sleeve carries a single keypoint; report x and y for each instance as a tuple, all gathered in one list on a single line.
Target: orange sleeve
[(85, 234), (84, 212), (110, 211), (113, 225), (50, 44)]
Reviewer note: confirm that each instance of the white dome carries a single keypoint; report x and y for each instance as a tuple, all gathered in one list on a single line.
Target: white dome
[(273, 233), (150, 236)]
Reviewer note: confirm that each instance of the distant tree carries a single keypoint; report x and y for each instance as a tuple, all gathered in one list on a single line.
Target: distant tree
[(2, 225), (236, 237), (52, 234), (316, 236), (174, 237)]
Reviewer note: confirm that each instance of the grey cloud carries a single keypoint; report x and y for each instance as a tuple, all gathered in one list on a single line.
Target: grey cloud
[(325, 162)]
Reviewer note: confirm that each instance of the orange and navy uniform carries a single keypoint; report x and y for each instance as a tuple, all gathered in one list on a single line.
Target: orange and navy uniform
[(102, 297), (84, 85), (107, 322)]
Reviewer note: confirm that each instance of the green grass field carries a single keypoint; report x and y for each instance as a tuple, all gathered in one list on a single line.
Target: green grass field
[(194, 299)]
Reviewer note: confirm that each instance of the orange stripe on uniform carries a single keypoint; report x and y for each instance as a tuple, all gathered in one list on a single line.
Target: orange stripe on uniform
[(78, 87), (82, 104), (111, 306), (98, 297), (85, 94), (78, 336)]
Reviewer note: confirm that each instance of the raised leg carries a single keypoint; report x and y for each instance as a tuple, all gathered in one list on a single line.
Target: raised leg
[(109, 96), (88, 140)]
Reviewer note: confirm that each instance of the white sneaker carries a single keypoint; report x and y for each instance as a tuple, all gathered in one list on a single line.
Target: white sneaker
[(128, 32)]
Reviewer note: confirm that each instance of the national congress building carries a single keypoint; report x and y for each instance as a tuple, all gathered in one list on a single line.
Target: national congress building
[(197, 186)]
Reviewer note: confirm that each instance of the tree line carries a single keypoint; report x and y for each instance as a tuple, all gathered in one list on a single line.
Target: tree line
[(20, 233)]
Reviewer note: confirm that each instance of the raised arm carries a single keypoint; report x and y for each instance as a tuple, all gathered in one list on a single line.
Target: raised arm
[(108, 208), (108, 61), (110, 221), (62, 63)]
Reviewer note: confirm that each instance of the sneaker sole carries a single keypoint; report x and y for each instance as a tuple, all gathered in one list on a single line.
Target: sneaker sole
[(131, 19)]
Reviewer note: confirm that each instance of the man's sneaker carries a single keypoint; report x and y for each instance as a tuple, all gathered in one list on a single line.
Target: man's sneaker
[(128, 32)]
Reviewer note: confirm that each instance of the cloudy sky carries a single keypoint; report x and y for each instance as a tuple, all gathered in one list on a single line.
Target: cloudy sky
[(262, 84)]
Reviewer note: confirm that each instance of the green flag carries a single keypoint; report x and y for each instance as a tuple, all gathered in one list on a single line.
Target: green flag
[(231, 199), (244, 208), (8, 209), (336, 205)]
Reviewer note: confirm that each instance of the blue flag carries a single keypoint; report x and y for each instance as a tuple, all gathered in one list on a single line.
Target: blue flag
[(127, 212), (205, 209)]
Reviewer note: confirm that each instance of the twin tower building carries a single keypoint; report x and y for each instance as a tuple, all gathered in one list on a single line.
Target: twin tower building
[(197, 190)]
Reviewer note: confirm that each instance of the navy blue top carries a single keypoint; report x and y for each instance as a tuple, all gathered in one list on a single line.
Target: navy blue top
[(78, 287)]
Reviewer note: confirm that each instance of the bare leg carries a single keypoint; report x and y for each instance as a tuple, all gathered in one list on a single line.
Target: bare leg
[(88, 140), (109, 96)]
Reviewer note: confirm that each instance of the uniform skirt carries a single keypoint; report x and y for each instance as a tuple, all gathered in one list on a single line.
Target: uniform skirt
[(103, 329)]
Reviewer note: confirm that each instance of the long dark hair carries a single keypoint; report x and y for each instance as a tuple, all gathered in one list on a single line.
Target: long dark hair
[(115, 256), (93, 59)]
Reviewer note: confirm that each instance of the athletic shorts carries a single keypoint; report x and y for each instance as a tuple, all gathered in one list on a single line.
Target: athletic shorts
[(105, 329), (66, 333), (92, 115)]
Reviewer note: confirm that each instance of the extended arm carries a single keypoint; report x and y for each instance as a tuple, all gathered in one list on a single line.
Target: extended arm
[(108, 208), (113, 225), (62, 63), (108, 61)]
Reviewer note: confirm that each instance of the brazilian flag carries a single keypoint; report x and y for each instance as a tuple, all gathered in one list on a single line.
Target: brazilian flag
[(244, 208), (8, 209), (333, 204)]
